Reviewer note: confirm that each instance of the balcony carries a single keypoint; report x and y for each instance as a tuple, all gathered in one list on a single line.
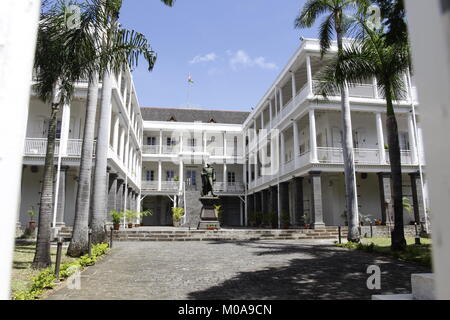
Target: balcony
[(38, 147), (233, 187), (149, 185), (150, 149)]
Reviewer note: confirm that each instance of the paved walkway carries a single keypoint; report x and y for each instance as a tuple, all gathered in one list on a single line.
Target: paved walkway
[(237, 270)]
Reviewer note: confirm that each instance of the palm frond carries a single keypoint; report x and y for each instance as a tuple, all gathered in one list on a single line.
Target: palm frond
[(311, 10)]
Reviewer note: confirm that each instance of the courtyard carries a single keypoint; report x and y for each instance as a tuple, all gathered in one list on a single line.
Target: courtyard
[(305, 269)]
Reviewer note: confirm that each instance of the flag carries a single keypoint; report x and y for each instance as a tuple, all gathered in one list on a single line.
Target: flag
[(190, 79)]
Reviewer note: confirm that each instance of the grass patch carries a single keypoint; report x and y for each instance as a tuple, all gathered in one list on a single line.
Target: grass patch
[(29, 284), (415, 253)]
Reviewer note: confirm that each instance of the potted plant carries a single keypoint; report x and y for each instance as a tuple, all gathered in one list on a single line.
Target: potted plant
[(130, 215), (285, 220), (141, 215), (219, 212), (306, 224), (116, 217), (31, 223), (211, 227), (177, 215)]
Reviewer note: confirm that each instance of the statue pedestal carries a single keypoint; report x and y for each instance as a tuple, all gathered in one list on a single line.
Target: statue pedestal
[(208, 215)]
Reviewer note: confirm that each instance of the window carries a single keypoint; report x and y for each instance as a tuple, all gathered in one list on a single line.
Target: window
[(151, 141), (235, 146), (58, 129), (170, 175), (191, 177), (231, 177), (171, 141), (192, 142), (404, 140), (150, 175)]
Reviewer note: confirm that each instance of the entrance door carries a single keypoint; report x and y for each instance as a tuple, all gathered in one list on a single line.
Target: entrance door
[(191, 179)]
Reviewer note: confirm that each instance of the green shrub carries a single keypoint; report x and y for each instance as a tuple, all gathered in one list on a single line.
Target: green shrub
[(177, 213), (116, 216), (45, 279)]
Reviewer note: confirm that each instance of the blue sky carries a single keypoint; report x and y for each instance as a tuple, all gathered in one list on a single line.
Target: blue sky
[(233, 49)]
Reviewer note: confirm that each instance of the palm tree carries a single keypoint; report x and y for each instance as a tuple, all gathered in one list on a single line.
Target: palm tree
[(373, 55), (60, 61), (118, 49), (99, 198), (337, 22)]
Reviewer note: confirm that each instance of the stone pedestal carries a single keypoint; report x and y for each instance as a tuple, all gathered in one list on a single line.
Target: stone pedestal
[(208, 215)]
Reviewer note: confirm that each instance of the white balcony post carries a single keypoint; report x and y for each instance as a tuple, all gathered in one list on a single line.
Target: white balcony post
[(309, 75), (294, 86), (116, 134), (181, 142), (412, 139), (204, 141), (270, 112), (313, 136), (380, 138), (225, 177), (65, 128), (122, 143), (296, 140), (181, 175), (262, 119), (282, 151), (159, 175), (375, 88), (160, 141), (281, 98), (224, 144)]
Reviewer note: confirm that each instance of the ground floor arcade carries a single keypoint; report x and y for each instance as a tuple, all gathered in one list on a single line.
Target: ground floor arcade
[(319, 199)]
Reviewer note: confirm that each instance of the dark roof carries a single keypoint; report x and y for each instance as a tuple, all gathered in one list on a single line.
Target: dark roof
[(192, 115)]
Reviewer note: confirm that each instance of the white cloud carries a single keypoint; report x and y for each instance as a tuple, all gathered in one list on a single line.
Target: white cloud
[(205, 58), (241, 58)]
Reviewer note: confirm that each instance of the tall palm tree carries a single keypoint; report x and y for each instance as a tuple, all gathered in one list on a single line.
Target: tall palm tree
[(99, 195), (336, 22), (60, 60), (373, 55), (118, 49)]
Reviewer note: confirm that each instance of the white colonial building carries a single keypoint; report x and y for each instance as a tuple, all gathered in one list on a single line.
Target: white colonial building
[(283, 158)]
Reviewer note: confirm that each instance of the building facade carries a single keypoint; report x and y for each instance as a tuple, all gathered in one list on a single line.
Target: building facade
[(282, 160)]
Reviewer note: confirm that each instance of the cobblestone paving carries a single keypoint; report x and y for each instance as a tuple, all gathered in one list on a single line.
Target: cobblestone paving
[(238, 270)]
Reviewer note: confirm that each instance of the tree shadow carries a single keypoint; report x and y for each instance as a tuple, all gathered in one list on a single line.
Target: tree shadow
[(320, 272)]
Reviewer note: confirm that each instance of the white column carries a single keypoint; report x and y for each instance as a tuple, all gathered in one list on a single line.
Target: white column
[(159, 175), (270, 112), (225, 176), (262, 119), (65, 128), (281, 98), (122, 144), (380, 136), (126, 150), (160, 141), (296, 140), (19, 21), (309, 74), (116, 134), (224, 137), (375, 88), (204, 141), (282, 151), (181, 174), (313, 136), (294, 86), (181, 142), (412, 139)]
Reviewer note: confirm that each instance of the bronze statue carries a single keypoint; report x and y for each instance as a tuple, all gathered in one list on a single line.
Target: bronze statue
[(208, 178)]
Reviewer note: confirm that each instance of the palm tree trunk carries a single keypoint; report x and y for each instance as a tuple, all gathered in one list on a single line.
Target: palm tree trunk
[(99, 196), (42, 258), (347, 147), (398, 234), (79, 243)]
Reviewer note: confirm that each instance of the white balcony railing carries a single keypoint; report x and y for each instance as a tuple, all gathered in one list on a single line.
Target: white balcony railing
[(405, 156), (38, 147), (171, 149), (150, 185), (170, 185), (335, 155), (231, 187), (150, 149)]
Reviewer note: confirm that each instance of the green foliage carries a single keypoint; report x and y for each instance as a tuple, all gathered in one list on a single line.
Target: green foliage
[(31, 213), (285, 218), (177, 213), (415, 253), (219, 211), (116, 216), (46, 278), (407, 205)]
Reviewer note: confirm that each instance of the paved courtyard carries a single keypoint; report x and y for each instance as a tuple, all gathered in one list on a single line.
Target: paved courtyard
[(237, 270)]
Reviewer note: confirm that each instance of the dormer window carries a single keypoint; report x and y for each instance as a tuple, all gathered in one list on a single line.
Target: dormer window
[(212, 120), (172, 119)]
